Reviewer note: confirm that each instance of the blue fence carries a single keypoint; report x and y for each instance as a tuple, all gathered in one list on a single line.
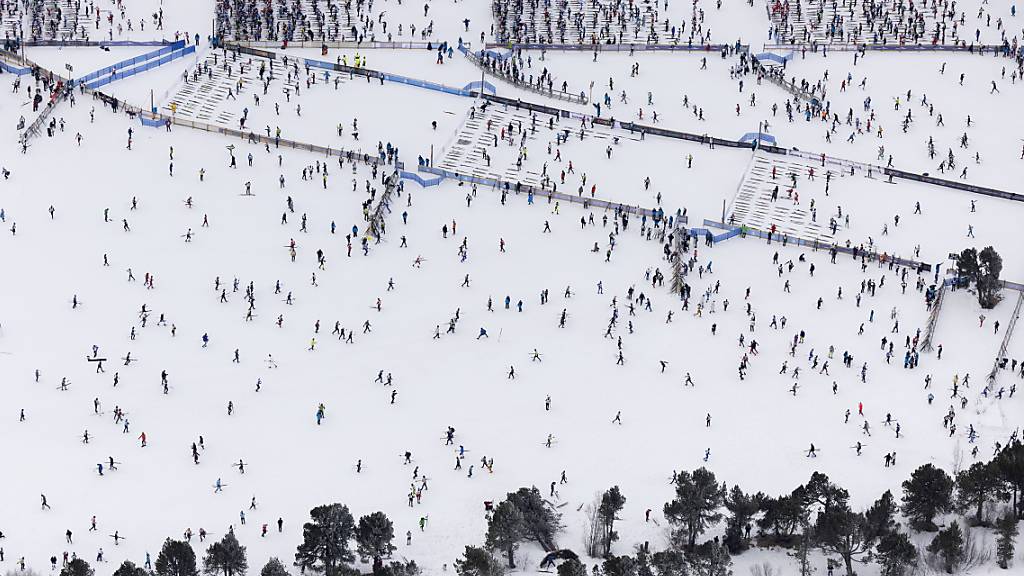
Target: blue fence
[(154, 123), (148, 65), (425, 84), (4, 66), (781, 59), (477, 85), (755, 136), (716, 238), (132, 61), (424, 182), (486, 52)]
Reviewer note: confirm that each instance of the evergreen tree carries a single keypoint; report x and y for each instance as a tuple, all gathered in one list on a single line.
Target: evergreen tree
[(742, 507), (948, 546), (709, 559), (896, 553), (977, 485), (1006, 537), (619, 566), (373, 538), (478, 562), (572, 567), (669, 563), (983, 270), (176, 558), (927, 493), (990, 265), (409, 568), (325, 540), (842, 531), (880, 517), (821, 491), (643, 560), (1010, 464), (967, 265), (612, 502), (77, 567), (226, 557), (802, 551), (540, 521), (505, 530), (274, 567), (696, 506), (782, 516), (128, 568)]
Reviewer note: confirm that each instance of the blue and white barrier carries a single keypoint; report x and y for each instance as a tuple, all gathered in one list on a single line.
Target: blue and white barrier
[(424, 182), (759, 137), (109, 74)]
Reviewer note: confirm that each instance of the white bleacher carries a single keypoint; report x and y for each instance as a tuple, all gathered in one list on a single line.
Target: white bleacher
[(753, 206)]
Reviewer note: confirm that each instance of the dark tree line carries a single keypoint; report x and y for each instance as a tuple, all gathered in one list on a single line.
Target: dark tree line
[(815, 515)]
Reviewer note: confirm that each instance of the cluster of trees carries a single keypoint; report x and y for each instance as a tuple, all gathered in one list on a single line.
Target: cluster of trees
[(982, 269), (326, 549), (816, 515), (523, 516), (328, 536)]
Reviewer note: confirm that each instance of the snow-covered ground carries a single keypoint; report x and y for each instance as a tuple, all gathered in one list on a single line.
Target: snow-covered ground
[(81, 215)]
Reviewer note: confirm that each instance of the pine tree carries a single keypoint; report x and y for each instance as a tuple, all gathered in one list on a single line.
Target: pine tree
[(77, 567), (612, 502), (782, 516), (1010, 464), (373, 538), (977, 485), (478, 562), (742, 507), (821, 491), (948, 546), (983, 269), (1006, 536), (643, 560), (802, 551), (325, 540), (128, 568), (176, 558), (842, 531), (990, 264), (880, 517), (572, 567), (619, 566), (409, 568), (505, 530), (226, 557), (274, 567), (709, 559), (540, 521), (927, 493), (896, 553), (696, 506), (669, 563)]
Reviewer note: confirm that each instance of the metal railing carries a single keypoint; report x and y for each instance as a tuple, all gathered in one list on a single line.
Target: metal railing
[(1006, 338), (933, 319), (497, 72)]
